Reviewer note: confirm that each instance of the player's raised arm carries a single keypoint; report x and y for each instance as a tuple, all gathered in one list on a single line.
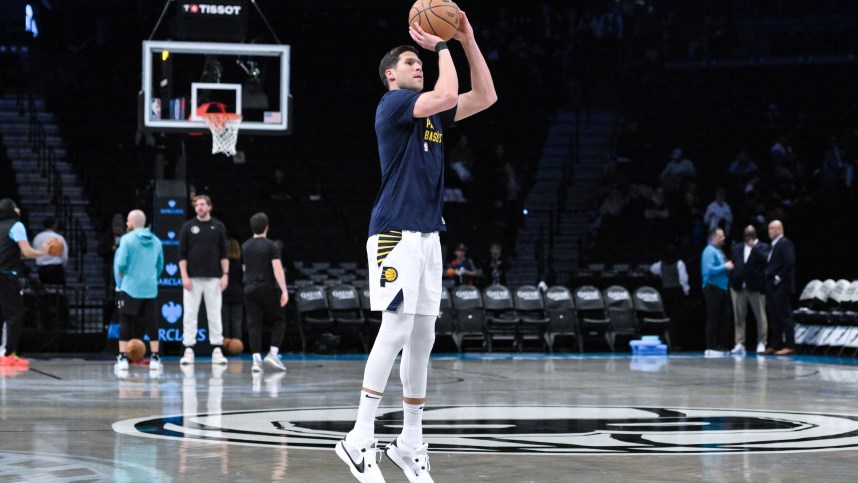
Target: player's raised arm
[(482, 93), (446, 92)]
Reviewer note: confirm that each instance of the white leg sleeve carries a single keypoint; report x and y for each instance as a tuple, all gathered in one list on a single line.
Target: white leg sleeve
[(414, 366), (392, 337)]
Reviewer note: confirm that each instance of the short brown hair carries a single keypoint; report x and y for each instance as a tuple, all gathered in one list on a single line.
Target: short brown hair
[(233, 249), (258, 223), (202, 197), (390, 59)]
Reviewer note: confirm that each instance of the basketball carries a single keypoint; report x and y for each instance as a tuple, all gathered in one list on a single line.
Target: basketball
[(234, 347), (437, 17), (136, 350), (54, 246), (451, 272)]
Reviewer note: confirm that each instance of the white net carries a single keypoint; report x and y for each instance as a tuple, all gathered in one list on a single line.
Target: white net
[(224, 128)]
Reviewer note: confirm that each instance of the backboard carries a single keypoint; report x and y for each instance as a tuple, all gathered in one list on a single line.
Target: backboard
[(249, 79)]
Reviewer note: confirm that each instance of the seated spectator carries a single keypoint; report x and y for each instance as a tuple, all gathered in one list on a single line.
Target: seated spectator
[(496, 264), (743, 167), (677, 171), (51, 268), (462, 269), (718, 213), (781, 151)]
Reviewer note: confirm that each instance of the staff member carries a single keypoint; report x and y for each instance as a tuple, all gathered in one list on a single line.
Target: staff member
[(714, 268), (746, 288), (780, 285)]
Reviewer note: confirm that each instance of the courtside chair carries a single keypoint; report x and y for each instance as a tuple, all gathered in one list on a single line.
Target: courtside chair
[(621, 312), (468, 313), (807, 302), (501, 319), (346, 311), (373, 318), (562, 320), (313, 312), (530, 308), (590, 308), (652, 318), (445, 326)]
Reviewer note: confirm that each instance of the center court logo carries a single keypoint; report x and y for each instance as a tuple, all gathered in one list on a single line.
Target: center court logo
[(526, 430)]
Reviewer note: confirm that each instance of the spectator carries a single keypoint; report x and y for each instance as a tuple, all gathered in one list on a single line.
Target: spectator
[(678, 170), (232, 310), (107, 247), (462, 160), (463, 269), (714, 268), (746, 286), (51, 268), (743, 167), (781, 151), (718, 213), (496, 264), (780, 286)]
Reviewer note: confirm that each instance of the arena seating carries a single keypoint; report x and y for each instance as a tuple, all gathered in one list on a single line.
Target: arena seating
[(826, 321)]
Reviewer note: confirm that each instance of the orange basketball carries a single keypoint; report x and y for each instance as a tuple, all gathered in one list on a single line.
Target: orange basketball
[(54, 246), (234, 348), (451, 272), (136, 350), (437, 17)]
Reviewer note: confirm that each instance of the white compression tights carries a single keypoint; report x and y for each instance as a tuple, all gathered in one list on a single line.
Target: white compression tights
[(414, 335)]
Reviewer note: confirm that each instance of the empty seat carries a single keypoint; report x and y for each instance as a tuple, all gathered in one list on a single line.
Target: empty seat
[(652, 319), (560, 309), (501, 319), (313, 311), (346, 311), (530, 309), (468, 313), (621, 312), (445, 326), (592, 316)]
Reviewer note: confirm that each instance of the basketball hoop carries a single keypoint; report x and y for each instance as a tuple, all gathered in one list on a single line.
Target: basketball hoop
[(223, 125)]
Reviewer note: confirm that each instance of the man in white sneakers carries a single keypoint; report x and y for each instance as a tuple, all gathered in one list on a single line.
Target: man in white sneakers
[(204, 265), (403, 249)]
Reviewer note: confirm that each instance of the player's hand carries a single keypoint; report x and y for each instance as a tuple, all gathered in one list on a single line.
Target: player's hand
[(284, 299), (465, 32), (729, 265), (423, 38), (186, 284), (224, 281)]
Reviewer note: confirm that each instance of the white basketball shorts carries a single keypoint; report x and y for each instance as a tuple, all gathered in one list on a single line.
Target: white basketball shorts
[(405, 270)]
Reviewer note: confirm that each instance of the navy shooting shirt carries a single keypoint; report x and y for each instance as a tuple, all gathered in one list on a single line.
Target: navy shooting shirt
[(412, 166)]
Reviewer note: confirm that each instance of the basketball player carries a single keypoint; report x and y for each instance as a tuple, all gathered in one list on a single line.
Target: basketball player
[(204, 266), (13, 246), (403, 248), (137, 264)]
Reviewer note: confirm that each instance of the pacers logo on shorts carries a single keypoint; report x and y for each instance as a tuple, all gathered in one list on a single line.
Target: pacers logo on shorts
[(388, 274)]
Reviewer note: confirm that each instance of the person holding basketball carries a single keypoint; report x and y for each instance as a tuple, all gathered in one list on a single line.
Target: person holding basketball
[(403, 249)]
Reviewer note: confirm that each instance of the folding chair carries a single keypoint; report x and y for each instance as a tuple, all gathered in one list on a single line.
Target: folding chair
[(592, 316), (563, 321), (313, 311), (501, 319), (649, 307), (468, 314), (346, 311), (621, 312), (807, 302), (530, 308), (373, 318)]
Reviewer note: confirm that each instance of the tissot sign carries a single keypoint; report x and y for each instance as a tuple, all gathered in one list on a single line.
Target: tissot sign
[(209, 9), (527, 430)]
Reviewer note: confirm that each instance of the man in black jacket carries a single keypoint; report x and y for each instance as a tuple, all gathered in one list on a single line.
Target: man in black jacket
[(746, 288), (780, 285)]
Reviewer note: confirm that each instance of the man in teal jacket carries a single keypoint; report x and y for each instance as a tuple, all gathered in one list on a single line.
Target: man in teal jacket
[(137, 264)]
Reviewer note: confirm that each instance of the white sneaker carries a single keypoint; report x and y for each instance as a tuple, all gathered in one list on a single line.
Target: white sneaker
[(713, 353), (155, 364), (761, 348), (217, 356), (188, 358), (413, 462), (121, 364), (257, 366), (362, 461), (274, 361), (739, 350)]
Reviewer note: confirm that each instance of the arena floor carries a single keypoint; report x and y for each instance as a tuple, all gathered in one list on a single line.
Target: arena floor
[(490, 417)]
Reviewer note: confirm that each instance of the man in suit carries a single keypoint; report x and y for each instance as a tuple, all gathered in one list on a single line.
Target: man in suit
[(780, 285), (747, 281)]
